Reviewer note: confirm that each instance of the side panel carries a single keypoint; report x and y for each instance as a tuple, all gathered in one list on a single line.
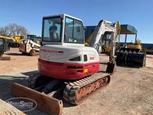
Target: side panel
[(22, 47)]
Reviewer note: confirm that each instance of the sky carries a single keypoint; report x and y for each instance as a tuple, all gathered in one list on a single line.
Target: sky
[(29, 13)]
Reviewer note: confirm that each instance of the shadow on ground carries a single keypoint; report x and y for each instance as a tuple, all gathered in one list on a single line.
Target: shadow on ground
[(14, 54), (30, 73), (5, 89)]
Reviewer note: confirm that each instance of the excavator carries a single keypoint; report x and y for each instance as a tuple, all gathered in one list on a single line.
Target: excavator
[(66, 67)]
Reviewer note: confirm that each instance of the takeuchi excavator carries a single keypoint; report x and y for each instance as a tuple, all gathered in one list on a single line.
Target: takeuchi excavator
[(66, 66)]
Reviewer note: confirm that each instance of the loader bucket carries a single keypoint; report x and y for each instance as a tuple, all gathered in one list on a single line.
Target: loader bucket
[(49, 105), (131, 57)]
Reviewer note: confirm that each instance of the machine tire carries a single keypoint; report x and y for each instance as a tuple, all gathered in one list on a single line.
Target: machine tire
[(33, 79), (23, 53), (31, 53), (1, 53), (104, 50)]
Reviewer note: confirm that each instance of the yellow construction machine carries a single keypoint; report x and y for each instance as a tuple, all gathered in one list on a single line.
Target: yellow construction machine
[(88, 39), (17, 40), (66, 67), (130, 54), (106, 42), (5, 45), (136, 45)]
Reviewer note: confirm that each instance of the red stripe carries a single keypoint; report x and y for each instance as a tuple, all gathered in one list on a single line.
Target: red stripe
[(69, 71)]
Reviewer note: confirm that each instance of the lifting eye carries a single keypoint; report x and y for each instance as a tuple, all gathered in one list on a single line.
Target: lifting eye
[(75, 59)]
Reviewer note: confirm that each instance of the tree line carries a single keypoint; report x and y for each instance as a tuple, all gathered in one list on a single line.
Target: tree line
[(13, 29)]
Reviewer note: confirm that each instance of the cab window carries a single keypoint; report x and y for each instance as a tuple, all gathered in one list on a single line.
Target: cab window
[(52, 29), (73, 31)]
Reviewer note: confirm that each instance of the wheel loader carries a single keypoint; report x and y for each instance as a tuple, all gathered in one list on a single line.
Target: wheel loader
[(66, 67), (130, 54)]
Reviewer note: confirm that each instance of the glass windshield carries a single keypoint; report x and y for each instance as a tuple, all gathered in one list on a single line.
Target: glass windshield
[(31, 36), (73, 31), (52, 29)]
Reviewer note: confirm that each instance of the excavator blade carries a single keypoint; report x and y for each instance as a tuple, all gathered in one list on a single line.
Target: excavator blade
[(111, 68), (49, 105)]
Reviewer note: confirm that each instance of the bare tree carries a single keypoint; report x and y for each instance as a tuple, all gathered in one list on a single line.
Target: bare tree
[(21, 30), (13, 29), (4, 31)]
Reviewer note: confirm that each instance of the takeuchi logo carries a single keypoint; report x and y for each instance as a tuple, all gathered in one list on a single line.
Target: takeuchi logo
[(22, 103), (51, 51)]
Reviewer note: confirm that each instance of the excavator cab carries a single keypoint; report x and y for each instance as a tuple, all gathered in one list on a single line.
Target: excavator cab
[(62, 30)]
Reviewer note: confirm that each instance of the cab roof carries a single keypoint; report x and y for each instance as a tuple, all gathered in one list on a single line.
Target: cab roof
[(128, 29)]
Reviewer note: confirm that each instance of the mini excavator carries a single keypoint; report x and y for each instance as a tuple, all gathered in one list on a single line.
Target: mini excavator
[(66, 66)]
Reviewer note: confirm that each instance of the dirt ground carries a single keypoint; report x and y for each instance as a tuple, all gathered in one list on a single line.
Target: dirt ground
[(129, 92)]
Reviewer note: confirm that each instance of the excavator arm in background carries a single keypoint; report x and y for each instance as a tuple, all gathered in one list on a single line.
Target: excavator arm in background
[(102, 28)]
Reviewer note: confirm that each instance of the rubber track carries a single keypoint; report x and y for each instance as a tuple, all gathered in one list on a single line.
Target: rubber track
[(71, 89), (32, 79)]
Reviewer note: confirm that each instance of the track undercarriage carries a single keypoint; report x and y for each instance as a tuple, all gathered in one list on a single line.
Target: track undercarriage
[(73, 91)]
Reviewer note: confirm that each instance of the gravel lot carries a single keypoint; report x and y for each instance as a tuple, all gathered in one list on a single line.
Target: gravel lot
[(129, 92)]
